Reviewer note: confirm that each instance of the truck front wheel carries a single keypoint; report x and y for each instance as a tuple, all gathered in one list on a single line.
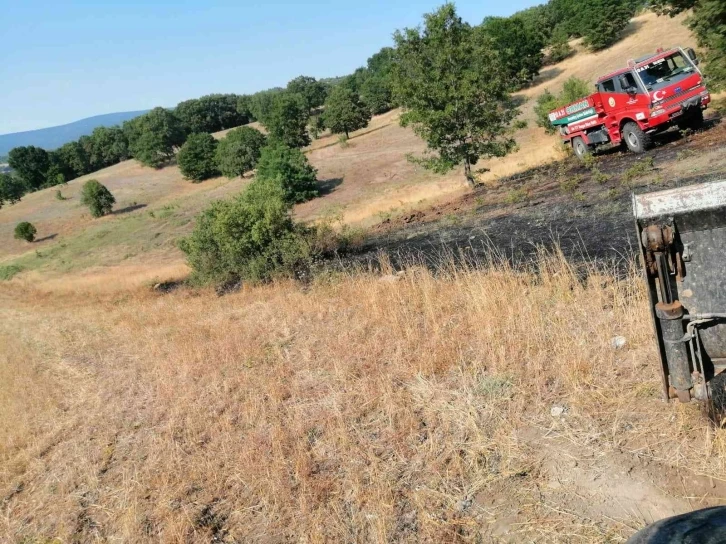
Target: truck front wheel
[(580, 147), (636, 140)]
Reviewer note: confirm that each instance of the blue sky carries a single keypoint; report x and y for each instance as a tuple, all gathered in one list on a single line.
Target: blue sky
[(62, 61)]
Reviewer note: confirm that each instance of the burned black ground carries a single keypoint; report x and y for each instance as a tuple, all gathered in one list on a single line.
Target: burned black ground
[(585, 208)]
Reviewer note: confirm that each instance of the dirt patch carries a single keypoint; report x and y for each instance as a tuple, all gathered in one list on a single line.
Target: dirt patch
[(619, 484)]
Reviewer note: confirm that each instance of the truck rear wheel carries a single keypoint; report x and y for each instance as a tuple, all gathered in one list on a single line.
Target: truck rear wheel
[(636, 140), (580, 147)]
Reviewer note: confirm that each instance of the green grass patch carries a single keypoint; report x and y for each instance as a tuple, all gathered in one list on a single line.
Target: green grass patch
[(107, 243), (641, 168), (515, 196), (7, 272)]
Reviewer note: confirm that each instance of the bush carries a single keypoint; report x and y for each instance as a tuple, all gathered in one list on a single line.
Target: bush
[(196, 158), (239, 151), (97, 197), (546, 102), (25, 231), (289, 168), (251, 237), (559, 50)]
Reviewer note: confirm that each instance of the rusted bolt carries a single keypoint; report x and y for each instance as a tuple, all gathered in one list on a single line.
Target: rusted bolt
[(652, 238), (673, 310)]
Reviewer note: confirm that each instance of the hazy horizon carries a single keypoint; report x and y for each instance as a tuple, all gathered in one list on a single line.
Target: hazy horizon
[(72, 61)]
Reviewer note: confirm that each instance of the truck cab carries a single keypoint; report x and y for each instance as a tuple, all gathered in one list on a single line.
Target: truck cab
[(632, 104)]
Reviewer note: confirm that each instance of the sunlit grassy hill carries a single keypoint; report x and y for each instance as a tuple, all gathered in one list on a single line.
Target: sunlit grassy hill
[(361, 183)]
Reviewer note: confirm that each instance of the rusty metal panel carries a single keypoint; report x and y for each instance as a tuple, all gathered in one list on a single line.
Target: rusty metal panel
[(695, 198), (683, 234)]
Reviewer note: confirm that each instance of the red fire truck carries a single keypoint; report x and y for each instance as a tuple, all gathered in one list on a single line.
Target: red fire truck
[(632, 104)]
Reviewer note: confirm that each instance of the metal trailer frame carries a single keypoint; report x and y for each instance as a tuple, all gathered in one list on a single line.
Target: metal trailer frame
[(683, 253)]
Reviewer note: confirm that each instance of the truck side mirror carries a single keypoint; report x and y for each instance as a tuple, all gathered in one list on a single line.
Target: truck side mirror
[(626, 86), (692, 55)]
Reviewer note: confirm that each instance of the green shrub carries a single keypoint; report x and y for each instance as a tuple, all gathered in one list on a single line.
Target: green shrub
[(590, 161), (196, 158), (97, 197), (570, 184), (251, 237), (546, 102), (515, 196), (239, 151), (289, 168), (25, 231), (559, 50), (600, 177), (59, 195)]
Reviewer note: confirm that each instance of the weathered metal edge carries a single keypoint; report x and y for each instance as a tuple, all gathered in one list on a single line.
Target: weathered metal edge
[(703, 196)]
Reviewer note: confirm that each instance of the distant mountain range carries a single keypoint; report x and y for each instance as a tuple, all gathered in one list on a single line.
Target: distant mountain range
[(54, 137)]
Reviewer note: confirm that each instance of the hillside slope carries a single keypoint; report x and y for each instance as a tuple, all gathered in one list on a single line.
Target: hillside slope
[(53, 137), (365, 183)]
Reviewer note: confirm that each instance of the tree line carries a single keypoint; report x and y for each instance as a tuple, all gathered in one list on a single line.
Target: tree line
[(291, 116), (522, 43)]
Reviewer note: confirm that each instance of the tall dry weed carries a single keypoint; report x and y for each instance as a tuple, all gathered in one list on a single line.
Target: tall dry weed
[(356, 410)]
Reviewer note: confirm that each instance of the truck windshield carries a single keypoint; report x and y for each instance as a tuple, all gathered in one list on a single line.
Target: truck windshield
[(663, 71)]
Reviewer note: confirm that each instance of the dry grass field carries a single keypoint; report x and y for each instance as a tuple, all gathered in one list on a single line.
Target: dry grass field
[(479, 405)]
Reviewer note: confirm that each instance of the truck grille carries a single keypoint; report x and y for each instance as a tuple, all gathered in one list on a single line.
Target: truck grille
[(676, 96)]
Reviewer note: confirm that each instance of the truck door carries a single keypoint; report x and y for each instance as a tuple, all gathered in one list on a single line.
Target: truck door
[(632, 100), (612, 104)]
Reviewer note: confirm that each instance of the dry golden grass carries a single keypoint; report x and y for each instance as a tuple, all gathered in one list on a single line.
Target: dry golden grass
[(358, 409)]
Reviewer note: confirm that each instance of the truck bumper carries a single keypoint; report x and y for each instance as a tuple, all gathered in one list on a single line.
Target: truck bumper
[(670, 113)]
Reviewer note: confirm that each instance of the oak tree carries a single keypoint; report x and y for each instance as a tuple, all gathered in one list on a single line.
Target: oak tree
[(454, 91), (344, 111)]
